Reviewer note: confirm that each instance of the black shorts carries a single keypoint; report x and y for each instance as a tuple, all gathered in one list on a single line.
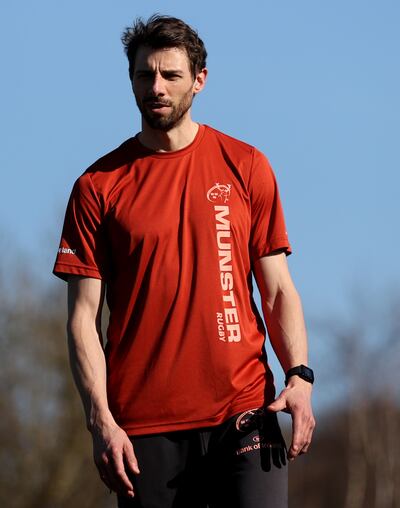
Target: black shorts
[(238, 464)]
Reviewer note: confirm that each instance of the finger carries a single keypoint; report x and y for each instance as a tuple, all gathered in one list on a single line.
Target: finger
[(305, 448), (107, 478), (303, 425), (306, 445), (118, 473), (130, 458), (104, 479), (298, 435), (309, 436), (278, 405)]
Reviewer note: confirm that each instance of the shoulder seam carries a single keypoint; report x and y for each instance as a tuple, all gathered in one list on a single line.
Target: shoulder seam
[(100, 202), (253, 151), (224, 135)]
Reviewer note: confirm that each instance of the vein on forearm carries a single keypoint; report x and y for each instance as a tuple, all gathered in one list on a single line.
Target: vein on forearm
[(284, 318), (87, 364)]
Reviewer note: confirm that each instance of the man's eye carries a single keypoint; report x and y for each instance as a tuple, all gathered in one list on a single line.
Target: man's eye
[(143, 75)]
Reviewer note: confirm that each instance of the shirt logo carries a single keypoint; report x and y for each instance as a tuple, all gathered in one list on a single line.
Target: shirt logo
[(64, 250), (219, 193)]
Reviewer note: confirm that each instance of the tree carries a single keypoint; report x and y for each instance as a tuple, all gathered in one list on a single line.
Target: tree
[(45, 449), (354, 461)]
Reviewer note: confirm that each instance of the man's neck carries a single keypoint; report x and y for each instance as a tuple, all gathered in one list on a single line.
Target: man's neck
[(170, 141)]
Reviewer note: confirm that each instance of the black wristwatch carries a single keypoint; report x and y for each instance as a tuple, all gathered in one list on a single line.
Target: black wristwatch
[(302, 371)]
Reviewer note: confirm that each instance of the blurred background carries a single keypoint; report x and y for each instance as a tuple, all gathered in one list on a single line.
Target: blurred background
[(315, 85)]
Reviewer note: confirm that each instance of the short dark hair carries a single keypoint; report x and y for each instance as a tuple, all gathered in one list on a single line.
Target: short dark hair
[(164, 32)]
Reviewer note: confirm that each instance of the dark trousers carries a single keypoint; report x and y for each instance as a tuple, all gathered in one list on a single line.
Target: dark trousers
[(238, 464)]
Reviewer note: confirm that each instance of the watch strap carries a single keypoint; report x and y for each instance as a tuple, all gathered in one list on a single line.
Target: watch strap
[(302, 371)]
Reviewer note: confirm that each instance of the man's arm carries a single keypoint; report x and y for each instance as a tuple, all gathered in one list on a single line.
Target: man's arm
[(283, 315), (112, 448)]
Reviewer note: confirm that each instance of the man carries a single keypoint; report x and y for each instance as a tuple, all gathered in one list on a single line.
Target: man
[(170, 226)]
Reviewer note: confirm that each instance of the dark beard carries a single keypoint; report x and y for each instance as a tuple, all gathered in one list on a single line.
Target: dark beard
[(166, 123)]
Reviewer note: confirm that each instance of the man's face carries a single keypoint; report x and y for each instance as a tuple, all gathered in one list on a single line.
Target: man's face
[(163, 86)]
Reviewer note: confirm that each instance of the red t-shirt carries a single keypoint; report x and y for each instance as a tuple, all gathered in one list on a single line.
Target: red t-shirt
[(173, 235)]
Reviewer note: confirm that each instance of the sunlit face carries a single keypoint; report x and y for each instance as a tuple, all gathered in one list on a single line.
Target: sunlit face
[(164, 86)]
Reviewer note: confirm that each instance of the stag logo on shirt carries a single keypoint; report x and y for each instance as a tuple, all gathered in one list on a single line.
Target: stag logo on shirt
[(219, 193)]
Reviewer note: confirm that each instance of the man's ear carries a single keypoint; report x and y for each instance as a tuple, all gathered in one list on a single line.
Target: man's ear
[(200, 81)]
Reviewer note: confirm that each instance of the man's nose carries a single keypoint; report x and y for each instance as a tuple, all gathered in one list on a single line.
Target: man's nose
[(158, 85)]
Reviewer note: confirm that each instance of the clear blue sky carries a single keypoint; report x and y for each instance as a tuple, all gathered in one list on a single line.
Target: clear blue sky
[(315, 85)]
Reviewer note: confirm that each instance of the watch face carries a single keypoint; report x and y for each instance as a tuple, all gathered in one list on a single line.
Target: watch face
[(307, 374)]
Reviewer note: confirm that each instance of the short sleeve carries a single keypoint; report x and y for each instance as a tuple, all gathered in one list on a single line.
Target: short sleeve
[(268, 230), (82, 249)]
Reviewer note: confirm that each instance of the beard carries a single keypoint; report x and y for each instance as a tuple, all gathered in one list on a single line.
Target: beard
[(165, 123)]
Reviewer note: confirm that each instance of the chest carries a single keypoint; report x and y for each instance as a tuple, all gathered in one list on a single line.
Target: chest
[(164, 200)]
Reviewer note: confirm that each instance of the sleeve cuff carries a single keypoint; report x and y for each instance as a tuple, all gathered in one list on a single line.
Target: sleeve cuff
[(62, 271)]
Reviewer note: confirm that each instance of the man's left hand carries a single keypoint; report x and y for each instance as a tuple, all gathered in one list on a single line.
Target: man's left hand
[(296, 400)]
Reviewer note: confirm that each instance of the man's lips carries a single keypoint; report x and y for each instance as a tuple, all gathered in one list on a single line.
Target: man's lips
[(157, 104)]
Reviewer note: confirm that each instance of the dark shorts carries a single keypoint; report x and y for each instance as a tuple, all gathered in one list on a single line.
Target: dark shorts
[(238, 464)]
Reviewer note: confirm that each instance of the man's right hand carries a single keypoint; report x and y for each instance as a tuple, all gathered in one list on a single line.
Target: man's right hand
[(112, 449), (114, 457)]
